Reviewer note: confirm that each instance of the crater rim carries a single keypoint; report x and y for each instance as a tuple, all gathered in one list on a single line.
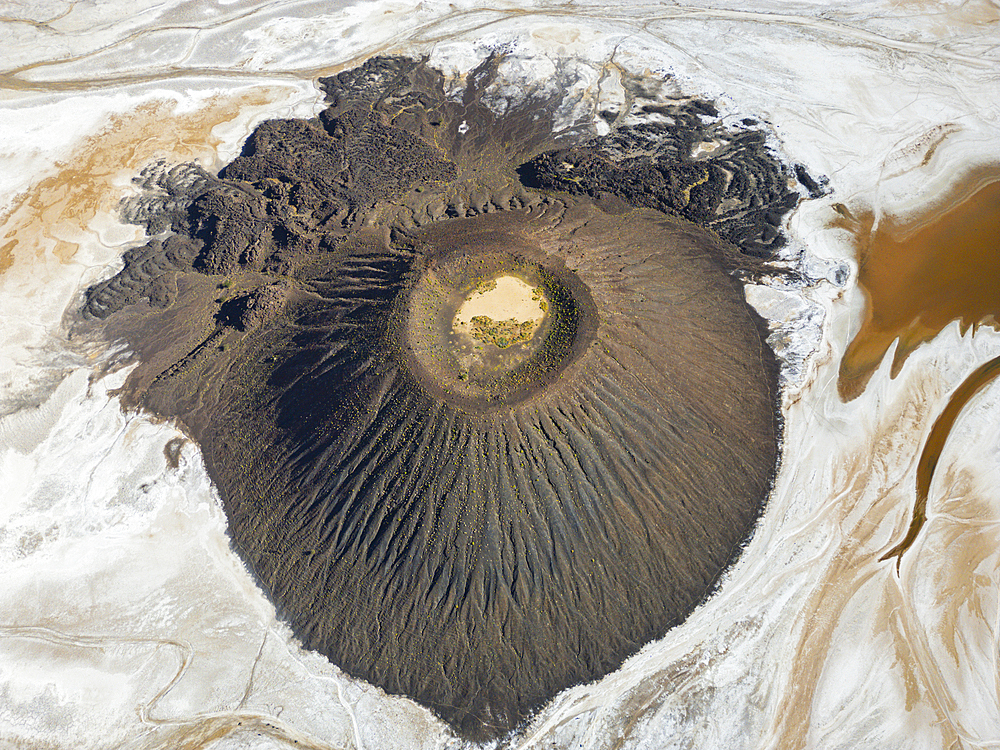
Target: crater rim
[(444, 361)]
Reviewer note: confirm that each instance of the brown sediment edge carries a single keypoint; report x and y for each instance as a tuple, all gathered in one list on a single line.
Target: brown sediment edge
[(905, 302)]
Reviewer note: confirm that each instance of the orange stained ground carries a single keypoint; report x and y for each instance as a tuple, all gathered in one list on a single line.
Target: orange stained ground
[(56, 210)]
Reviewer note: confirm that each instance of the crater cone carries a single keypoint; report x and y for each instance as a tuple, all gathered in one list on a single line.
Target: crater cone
[(480, 544), (473, 510)]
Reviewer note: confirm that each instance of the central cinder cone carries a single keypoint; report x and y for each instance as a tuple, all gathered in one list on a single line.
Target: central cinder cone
[(476, 528), (469, 373), (480, 544)]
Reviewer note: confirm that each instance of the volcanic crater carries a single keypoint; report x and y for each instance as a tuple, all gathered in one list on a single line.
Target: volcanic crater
[(477, 526)]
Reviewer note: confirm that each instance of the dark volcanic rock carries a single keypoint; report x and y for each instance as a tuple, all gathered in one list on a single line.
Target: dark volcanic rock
[(149, 274), (475, 528), (251, 309), (719, 179)]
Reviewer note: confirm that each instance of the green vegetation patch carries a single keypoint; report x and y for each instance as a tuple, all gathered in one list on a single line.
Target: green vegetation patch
[(501, 333)]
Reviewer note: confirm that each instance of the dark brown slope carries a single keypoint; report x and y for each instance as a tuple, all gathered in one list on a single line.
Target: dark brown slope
[(477, 542)]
